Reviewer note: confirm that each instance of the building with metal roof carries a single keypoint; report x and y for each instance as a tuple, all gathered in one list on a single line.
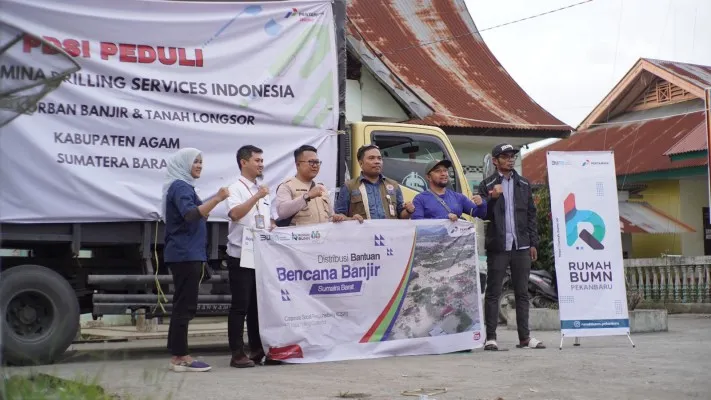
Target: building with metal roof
[(432, 59), (655, 121)]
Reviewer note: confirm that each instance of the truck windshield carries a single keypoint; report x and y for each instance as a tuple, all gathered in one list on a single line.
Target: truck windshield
[(406, 155)]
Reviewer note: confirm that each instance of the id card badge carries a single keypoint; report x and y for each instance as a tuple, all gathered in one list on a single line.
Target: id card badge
[(259, 221), (390, 202)]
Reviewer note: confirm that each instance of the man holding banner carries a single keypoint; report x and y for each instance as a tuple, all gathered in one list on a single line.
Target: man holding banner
[(511, 240), (440, 203)]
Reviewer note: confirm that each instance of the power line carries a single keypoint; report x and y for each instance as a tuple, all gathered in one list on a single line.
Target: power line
[(446, 39), (535, 16)]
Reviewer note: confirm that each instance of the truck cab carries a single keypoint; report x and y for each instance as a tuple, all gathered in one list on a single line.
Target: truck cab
[(406, 150)]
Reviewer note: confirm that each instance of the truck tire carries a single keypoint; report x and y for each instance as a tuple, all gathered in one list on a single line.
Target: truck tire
[(40, 315)]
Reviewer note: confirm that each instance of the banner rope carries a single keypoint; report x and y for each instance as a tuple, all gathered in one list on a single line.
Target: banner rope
[(158, 286), (161, 295)]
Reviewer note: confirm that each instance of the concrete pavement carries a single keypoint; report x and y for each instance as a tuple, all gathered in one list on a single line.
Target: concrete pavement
[(668, 365)]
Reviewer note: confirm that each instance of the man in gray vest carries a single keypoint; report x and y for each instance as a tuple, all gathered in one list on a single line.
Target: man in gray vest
[(371, 195)]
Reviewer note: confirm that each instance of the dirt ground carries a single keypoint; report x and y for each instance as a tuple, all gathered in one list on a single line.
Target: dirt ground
[(670, 365)]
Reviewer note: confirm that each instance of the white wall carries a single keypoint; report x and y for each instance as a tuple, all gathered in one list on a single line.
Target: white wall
[(368, 100), (471, 151), (693, 194)]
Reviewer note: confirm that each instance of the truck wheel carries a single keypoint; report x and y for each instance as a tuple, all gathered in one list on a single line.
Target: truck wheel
[(40, 314)]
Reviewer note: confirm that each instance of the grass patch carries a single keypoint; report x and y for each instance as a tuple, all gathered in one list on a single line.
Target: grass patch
[(43, 386)]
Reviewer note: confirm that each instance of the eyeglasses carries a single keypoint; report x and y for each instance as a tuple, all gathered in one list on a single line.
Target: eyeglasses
[(313, 163), (508, 156)]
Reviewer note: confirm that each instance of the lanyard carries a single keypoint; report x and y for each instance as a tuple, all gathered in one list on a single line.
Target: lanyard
[(250, 193)]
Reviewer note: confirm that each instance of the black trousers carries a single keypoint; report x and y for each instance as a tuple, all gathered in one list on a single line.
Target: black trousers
[(186, 278), (520, 263), (243, 287)]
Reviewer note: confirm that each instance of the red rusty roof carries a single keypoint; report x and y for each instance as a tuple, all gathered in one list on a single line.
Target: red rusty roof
[(693, 141), (639, 146), (697, 75), (434, 47)]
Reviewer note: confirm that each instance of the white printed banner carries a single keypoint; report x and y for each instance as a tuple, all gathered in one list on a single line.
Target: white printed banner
[(141, 79), (383, 288), (587, 243)]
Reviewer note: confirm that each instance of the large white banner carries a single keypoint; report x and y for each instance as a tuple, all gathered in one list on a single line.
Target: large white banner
[(383, 288), (145, 78), (587, 243)]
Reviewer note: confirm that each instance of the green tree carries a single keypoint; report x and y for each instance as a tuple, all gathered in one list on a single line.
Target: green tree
[(546, 260)]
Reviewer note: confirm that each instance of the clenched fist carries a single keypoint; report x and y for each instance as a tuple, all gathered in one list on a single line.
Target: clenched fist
[(316, 191), (410, 207), (222, 194), (477, 200), (496, 192), (263, 191)]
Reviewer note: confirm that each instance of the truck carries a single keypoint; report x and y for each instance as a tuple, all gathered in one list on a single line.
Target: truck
[(55, 271)]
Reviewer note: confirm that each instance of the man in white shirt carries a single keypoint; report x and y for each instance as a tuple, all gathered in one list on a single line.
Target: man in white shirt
[(248, 205)]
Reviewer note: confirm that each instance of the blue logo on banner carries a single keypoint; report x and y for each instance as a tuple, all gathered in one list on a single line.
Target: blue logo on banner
[(336, 288), (285, 295), (595, 324), (379, 240)]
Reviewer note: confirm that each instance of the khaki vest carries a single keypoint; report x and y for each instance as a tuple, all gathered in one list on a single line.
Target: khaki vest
[(358, 205), (317, 210)]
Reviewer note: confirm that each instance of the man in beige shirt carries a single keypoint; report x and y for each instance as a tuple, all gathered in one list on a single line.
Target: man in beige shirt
[(300, 200)]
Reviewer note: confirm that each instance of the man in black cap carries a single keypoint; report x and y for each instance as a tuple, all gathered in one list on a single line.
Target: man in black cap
[(511, 240), (440, 203)]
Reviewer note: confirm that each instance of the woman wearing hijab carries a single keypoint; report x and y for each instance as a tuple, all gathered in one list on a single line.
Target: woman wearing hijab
[(185, 250)]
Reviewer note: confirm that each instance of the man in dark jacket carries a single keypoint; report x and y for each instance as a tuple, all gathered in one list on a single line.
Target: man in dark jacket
[(511, 240)]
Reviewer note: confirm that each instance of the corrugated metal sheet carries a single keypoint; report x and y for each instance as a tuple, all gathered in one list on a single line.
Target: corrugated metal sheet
[(434, 47), (699, 75), (694, 141), (639, 146), (640, 217)]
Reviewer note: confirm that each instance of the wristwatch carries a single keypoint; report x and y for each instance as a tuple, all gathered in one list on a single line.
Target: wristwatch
[(306, 197)]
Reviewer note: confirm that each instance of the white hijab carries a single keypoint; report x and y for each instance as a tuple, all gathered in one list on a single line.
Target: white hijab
[(180, 165)]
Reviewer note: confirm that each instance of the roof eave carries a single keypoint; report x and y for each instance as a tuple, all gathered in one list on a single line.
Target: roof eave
[(396, 87), (607, 101), (675, 79), (508, 132), (621, 88)]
